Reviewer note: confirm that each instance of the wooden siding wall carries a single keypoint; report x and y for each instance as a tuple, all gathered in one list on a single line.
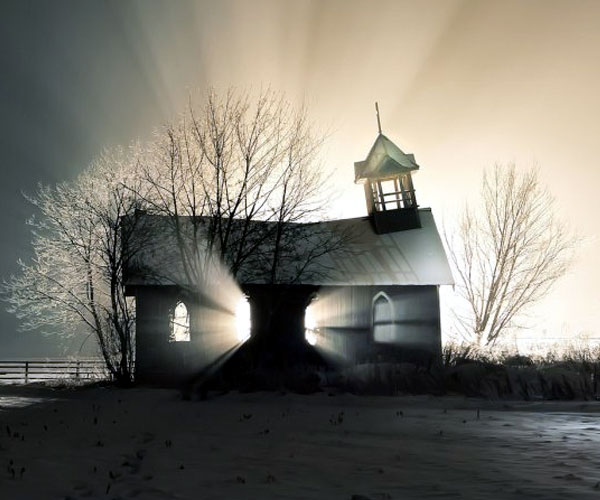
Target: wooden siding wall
[(344, 316), (212, 335), (345, 319)]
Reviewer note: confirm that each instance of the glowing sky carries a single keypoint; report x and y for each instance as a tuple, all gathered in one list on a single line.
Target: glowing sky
[(460, 84)]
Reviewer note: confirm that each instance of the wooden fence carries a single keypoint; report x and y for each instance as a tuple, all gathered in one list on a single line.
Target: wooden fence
[(45, 370)]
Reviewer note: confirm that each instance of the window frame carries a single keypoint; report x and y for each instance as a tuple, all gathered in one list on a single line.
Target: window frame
[(392, 322), (172, 338)]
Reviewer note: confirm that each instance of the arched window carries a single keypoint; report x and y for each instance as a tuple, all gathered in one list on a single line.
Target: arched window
[(383, 318), (179, 323)]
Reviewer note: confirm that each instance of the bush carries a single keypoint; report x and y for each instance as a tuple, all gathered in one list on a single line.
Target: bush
[(570, 373)]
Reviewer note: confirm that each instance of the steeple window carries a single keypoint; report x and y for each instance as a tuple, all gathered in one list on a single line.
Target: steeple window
[(393, 193)]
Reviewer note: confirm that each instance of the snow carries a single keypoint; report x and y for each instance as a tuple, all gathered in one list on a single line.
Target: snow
[(150, 444)]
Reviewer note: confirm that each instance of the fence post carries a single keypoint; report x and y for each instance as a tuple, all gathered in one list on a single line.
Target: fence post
[(26, 371), (77, 370)]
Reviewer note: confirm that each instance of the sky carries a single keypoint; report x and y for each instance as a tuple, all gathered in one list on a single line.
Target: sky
[(461, 84)]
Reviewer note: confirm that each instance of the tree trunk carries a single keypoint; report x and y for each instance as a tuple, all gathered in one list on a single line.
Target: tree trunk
[(277, 314)]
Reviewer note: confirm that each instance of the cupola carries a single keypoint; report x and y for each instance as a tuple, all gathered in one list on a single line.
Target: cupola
[(386, 174)]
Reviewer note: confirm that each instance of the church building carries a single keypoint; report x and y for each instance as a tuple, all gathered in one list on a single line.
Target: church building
[(377, 301)]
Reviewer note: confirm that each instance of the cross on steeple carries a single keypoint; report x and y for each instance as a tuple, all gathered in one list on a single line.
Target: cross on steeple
[(378, 118)]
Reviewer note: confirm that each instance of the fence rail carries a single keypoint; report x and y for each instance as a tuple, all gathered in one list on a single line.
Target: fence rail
[(44, 370)]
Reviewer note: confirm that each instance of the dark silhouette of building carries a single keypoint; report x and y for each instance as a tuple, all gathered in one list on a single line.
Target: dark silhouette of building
[(376, 296)]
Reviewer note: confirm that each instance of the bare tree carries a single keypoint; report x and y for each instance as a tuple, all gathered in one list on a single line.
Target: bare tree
[(81, 248), (507, 252), (233, 178)]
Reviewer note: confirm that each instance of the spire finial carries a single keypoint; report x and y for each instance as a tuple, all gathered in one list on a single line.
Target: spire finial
[(378, 119)]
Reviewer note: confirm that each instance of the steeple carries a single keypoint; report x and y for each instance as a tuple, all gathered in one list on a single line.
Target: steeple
[(389, 192)]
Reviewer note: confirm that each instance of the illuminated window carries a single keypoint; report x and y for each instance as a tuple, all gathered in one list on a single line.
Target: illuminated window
[(383, 322), (243, 322), (310, 326), (179, 323)]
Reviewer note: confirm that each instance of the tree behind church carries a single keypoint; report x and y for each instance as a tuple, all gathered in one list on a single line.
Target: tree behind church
[(231, 179), (507, 253), (234, 177), (74, 281)]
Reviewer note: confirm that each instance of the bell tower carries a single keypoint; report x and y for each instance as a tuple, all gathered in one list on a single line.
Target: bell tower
[(386, 174)]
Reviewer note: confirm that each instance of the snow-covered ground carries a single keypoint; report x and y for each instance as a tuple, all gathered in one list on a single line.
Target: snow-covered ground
[(149, 444)]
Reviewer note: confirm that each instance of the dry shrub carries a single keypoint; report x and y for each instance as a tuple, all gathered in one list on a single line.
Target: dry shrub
[(568, 372)]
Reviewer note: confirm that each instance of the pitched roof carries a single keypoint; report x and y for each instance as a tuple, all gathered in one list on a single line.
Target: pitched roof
[(411, 257), (385, 159)]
